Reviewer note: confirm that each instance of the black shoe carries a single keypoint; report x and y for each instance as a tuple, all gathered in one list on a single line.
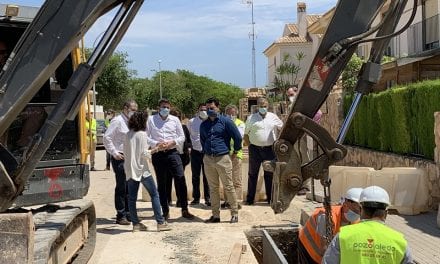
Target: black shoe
[(107, 167), (166, 216), (225, 205), (92, 169), (234, 219), (186, 214), (213, 219), (195, 202), (178, 204), (208, 203), (249, 203), (122, 221)]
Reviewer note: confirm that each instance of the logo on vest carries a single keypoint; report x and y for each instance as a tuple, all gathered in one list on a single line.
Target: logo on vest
[(370, 249)]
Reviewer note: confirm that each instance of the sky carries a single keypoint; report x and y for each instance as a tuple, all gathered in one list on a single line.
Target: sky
[(208, 37)]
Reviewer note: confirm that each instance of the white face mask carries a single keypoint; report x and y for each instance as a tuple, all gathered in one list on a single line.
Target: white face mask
[(203, 115), (292, 98), (351, 216), (130, 114), (232, 117)]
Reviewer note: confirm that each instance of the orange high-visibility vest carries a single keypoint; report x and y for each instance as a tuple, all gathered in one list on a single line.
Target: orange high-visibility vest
[(311, 239)]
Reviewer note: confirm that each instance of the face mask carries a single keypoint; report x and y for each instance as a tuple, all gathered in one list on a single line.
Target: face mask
[(232, 117), (211, 113), (262, 110), (130, 114), (351, 216), (203, 115), (164, 111), (292, 98)]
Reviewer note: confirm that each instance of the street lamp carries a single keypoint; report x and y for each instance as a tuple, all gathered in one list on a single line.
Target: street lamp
[(160, 79)]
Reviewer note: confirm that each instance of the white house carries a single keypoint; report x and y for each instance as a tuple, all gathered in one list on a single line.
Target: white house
[(295, 39)]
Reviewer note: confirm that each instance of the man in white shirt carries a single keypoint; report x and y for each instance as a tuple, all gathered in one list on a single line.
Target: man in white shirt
[(114, 139), (197, 156), (165, 133), (260, 133)]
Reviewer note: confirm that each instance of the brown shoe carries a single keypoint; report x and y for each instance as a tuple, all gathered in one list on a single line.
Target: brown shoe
[(122, 221), (139, 227), (186, 214)]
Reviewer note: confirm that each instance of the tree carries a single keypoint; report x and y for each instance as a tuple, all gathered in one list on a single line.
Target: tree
[(113, 85), (350, 73), (286, 75)]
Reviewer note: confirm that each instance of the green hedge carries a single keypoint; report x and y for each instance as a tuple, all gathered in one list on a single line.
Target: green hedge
[(399, 120)]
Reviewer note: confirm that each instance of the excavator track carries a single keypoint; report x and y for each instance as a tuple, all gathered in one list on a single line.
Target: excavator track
[(67, 235), (54, 233)]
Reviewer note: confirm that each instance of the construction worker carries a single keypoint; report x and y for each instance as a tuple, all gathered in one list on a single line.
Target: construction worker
[(370, 241), (231, 112), (91, 143), (312, 237)]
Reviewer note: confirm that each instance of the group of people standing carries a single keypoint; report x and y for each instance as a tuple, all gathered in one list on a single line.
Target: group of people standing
[(215, 150)]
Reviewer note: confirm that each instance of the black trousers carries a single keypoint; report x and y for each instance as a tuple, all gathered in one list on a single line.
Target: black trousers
[(121, 189), (196, 167), (168, 164)]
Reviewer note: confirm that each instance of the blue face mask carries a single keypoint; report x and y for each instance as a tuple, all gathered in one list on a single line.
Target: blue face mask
[(211, 113), (351, 216), (164, 111), (262, 110)]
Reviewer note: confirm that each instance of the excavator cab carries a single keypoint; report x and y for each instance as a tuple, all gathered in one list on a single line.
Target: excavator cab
[(62, 160)]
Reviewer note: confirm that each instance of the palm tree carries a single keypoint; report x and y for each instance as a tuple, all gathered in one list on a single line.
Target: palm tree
[(286, 74)]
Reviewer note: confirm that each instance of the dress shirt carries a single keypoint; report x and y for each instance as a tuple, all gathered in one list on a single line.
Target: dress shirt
[(263, 131), (114, 136), (215, 136), (159, 130), (194, 131)]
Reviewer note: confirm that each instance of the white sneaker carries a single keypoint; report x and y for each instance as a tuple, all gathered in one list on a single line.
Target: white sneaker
[(163, 227)]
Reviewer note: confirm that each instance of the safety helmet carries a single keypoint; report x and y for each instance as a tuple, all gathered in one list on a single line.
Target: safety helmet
[(353, 194), (375, 196)]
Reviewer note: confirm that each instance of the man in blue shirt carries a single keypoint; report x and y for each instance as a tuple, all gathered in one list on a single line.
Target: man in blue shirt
[(216, 133)]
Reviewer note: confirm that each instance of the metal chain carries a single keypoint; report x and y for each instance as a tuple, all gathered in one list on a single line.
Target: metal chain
[(329, 224)]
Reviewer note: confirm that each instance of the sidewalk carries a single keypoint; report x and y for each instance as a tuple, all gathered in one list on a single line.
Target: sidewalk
[(421, 230)]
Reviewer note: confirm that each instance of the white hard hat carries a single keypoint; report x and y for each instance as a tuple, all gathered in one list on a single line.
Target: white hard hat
[(353, 194), (375, 196)]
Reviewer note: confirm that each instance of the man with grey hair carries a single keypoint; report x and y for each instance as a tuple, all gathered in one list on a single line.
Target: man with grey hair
[(231, 112), (260, 133)]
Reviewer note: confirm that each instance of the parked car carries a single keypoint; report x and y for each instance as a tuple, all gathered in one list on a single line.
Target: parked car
[(100, 130)]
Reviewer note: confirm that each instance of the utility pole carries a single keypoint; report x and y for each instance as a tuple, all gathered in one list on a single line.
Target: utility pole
[(252, 35), (160, 79)]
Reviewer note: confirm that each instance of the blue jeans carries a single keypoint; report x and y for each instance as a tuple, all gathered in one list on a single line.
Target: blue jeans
[(121, 201), (256, 156), (150, 185)]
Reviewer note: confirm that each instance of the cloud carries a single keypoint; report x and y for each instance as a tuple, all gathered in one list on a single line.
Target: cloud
[(209, 20)]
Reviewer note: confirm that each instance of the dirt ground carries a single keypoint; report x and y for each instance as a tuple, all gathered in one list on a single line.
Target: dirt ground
[(188, 241)]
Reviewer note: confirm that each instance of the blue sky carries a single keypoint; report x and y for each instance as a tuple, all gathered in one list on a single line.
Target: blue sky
[(207, 37)]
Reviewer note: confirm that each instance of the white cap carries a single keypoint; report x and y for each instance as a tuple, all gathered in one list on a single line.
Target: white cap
[(353, 194), (375, 196)]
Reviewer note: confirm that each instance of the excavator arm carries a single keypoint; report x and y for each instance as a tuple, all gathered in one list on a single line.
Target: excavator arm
[(352, 24), (56, 30)]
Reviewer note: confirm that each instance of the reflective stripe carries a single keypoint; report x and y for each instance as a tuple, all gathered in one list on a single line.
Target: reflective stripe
[(312, 243), (309, 236)]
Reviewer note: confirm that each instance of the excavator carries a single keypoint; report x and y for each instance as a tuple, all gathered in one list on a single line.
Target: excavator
[(43, 86), (65, 232), (353, 23)]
